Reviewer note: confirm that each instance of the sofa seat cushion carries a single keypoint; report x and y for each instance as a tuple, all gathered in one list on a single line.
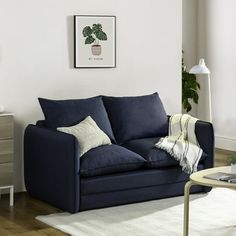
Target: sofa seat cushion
[(133, 180), (136, 117), (155, 157), (109, 159), (64, 113)]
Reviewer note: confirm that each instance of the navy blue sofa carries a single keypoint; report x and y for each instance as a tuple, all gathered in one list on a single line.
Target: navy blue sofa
[(128, 171)]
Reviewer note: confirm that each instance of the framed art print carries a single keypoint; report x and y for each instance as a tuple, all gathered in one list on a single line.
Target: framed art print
[(95, 41)]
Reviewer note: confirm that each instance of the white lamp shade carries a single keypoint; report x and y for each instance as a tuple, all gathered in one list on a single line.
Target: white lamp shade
[(200, 68)]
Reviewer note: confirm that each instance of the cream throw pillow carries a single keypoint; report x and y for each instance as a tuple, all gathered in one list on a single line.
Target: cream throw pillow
[(88, 134)]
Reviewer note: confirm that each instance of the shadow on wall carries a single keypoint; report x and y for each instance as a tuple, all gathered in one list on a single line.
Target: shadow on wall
[(23, 117), (18, 155), (70, 40)]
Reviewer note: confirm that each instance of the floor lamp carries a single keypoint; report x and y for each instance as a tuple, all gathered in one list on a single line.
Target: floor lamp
[(201, 69)]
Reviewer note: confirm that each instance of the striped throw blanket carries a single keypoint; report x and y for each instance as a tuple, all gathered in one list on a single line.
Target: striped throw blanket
[(182, 143)]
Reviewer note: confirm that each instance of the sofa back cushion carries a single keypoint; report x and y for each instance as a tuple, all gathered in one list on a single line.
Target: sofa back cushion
[(136, 117), (64, 113)]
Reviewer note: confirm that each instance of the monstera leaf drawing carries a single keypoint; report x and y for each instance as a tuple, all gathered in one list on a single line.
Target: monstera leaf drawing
[(92, 36)]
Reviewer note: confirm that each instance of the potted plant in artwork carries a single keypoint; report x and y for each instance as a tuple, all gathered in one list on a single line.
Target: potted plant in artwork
[(190, 88), (92, 36), (232, 162)]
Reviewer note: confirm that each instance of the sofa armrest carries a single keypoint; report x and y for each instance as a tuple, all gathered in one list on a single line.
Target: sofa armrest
[(51, 167), (206, 139)]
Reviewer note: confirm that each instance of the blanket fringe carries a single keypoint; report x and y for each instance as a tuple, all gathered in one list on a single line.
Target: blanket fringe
[(185, 166)]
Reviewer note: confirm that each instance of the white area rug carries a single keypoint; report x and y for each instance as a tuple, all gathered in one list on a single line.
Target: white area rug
[(211, 214)]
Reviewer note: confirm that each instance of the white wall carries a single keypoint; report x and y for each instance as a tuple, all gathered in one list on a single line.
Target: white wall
[(189, 38), (189, 32), (217, 45), (194, 38), (215, 36), (36, 56)]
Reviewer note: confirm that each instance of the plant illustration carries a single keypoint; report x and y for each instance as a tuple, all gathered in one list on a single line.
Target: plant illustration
[(92, 36), (190, 88)]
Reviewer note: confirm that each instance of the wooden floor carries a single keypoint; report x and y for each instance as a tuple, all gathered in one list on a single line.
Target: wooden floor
[(221, 157), (20, 219)]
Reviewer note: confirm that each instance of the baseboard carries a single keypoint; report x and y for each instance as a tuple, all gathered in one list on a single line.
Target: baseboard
[(226, 143)]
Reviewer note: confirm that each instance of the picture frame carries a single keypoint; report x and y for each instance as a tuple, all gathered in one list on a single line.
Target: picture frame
[(94, 41)]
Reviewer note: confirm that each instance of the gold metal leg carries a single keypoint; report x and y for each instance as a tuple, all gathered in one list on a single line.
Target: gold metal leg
[(186, 207)]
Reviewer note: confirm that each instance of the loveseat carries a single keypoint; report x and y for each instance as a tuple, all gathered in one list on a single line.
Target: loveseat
[(129, 170)]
